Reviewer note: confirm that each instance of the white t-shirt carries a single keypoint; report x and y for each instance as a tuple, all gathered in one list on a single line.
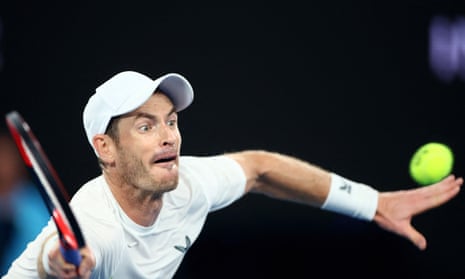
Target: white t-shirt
[(124, 249)]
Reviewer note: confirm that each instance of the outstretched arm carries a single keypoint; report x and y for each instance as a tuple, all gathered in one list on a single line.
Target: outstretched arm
[(289, 178)]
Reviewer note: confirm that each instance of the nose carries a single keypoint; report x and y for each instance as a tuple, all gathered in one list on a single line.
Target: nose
[(168, 136)]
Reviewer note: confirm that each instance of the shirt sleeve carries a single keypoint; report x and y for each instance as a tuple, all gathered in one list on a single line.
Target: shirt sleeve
[(221, 179), (25, 266)]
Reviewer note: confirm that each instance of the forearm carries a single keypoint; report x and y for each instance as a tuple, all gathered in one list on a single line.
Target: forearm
[(289, 178), (284, 177)]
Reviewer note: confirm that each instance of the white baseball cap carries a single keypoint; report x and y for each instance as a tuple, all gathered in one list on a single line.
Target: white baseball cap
[(128, 90)]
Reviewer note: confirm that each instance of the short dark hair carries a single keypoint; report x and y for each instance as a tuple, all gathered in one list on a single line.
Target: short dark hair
[(112, 129)]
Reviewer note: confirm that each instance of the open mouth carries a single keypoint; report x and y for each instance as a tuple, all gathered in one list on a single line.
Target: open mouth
[(167, 159)]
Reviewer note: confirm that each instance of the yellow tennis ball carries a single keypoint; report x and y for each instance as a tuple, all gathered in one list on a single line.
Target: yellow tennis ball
[(431, 162)]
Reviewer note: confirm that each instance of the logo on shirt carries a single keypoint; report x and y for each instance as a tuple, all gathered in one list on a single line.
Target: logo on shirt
[(183, 249), (346, 187)]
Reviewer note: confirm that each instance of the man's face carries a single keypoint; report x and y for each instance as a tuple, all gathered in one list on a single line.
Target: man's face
[(147, 154)]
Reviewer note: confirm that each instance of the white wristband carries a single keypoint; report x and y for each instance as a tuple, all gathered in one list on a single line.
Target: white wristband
[(350, 198), (47, 248)]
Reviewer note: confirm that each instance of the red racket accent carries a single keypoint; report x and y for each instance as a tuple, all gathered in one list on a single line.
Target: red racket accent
[(50, 187), (69, 241), (19, 144)]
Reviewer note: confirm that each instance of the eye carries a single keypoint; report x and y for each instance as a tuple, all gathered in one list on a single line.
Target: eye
[(172, 122), (145, 128)]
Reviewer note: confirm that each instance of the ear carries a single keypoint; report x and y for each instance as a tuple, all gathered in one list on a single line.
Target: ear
[(103, 144)]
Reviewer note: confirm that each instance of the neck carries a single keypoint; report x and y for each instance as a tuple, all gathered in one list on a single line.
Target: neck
[(141, 206)]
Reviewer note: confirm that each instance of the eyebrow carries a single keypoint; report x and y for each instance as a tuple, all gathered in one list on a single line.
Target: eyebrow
[(150, 116)]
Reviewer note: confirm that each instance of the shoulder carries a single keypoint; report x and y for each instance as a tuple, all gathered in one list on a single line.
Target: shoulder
[(219, 179), (94, 208), (210, 164), (91, 196), (210, 171)]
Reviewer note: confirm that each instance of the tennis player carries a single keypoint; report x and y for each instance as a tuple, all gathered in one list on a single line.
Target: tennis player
[(141, 215)]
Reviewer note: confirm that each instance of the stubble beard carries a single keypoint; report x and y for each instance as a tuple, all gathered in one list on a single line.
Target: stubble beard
[(133, 172)]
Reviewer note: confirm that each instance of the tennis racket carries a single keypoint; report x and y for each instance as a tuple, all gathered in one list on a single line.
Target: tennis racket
[(50, 186)]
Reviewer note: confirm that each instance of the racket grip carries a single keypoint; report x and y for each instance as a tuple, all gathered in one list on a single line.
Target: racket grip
[(71, 255)]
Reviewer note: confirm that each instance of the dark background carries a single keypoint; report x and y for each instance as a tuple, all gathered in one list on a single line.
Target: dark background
[(343, 84)]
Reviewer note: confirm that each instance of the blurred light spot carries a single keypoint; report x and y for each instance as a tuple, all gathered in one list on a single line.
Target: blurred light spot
[(447, 48), (1, 45)]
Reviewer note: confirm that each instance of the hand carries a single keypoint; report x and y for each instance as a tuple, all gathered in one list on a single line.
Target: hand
[(62, 269), (396, 209)]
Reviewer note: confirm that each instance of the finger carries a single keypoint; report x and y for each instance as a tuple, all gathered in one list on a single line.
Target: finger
[(416, 238), (445, 196), (66, 272), (85, 274), (437, 198), (447, 183), (60, 267), (87, 264), (437, 194), (86, 267)]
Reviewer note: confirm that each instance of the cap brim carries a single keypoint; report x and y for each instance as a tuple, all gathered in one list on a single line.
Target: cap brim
[(177, 88)]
